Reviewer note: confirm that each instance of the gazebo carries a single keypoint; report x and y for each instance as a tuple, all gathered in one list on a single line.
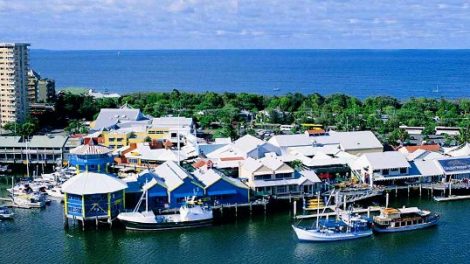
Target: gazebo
[(93, 196)]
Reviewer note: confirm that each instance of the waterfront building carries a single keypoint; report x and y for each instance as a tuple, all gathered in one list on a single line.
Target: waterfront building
[(38, 149), (220, 188), (172, 125), (179, 182), (245, 147), (271, 176), (14, 103), (353, 142), (91, 196), (372, 166), (90, 157), (45, 90), (33, 80), (286, 143)]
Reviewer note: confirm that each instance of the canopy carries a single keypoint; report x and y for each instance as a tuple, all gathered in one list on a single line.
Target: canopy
[(93, 183)]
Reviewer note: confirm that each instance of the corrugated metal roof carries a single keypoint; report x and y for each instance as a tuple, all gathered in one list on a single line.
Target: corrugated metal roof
[(56, 141), (93, 183)]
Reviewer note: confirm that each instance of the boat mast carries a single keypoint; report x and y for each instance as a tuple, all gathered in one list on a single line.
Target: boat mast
[(318, 209)]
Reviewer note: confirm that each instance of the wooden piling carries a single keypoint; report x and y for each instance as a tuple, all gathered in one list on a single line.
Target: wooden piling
[(295, 208), (420, 190)]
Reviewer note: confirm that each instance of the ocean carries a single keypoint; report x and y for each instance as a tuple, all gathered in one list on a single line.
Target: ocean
[(361, 73)]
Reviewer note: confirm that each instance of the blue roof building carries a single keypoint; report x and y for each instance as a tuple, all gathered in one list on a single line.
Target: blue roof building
[(90, 196), (222, 189), (90, 157)]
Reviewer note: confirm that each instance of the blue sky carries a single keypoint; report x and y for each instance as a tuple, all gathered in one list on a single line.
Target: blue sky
[(228, 24)]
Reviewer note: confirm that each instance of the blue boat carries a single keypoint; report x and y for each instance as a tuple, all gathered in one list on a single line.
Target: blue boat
[(393, 220)]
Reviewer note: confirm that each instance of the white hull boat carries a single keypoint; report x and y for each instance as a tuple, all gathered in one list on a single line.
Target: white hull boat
[(5, 213), (326, 235)]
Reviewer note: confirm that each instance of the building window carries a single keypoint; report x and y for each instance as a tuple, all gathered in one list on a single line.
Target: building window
[(385, 172), (403, 170)]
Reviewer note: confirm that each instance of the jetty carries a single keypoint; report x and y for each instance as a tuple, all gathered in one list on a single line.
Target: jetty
[(451, 198)]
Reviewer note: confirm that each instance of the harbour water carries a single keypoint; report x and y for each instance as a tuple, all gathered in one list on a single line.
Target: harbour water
[(39, 237), (361, 73)]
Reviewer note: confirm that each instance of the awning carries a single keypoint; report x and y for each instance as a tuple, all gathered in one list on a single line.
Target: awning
[(158, 194), (222, 192), (189, 194)]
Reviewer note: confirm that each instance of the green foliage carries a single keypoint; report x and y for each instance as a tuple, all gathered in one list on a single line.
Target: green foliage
[(24, 129)]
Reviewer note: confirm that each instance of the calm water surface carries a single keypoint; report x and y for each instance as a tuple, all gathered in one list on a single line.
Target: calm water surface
[(39, 237), (361, 73)]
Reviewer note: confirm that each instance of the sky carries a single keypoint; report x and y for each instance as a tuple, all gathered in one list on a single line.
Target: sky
[(236, 24)]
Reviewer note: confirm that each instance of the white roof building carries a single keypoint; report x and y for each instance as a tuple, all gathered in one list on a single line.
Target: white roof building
[(459, 151), (145, 153), (87, 183), (354, 142), (172, 173)]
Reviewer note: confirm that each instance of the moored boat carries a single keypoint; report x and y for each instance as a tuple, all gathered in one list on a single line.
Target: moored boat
[(404, 219), (328, 231), (29, 201), (5, 213), (190, 215)]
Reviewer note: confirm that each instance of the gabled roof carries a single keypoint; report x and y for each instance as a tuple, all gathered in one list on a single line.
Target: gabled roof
[(248, 143), (93, 183), (269, 162), (459, 151), (295, 140), (431, 147), (383, 160), (90, 149), (109, 117), (352, 140), (422, 154), (143, 151), (172, 173)]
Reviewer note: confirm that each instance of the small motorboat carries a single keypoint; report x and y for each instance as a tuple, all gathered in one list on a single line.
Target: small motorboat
[(55, 192), (404, 219), (5, 213), (28, 201), (190, 215), (335, 230)]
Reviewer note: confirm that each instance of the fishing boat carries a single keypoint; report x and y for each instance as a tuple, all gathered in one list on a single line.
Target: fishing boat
[(404, 219), (190, 215), (346, 227), (5, 213), (335, 230)]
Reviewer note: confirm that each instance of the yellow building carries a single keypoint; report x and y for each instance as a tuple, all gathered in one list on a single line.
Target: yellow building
[(116, 139)]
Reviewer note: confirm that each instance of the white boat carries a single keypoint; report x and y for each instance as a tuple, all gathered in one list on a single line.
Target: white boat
[(404, 219), (190, 215), (451, 198), (329, 231), (5, 213), (29, 201), (55, 192)]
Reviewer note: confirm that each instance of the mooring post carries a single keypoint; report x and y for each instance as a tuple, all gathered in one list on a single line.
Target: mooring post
[(396, 191), (96, 222), (408, 190), (236, 210), (386, 200), (295, 208), (368, 211), (420, 190)]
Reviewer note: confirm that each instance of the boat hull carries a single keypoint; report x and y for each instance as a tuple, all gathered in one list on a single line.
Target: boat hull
[(140, 226), (405, 228), (314, 236)]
